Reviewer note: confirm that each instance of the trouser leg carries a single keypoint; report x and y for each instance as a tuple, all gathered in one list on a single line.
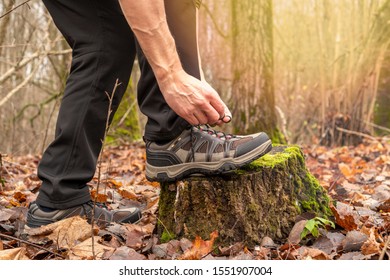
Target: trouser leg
[(103, 51), (163, 123)]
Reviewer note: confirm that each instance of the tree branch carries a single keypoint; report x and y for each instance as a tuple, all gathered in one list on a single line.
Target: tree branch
[(13, 9)]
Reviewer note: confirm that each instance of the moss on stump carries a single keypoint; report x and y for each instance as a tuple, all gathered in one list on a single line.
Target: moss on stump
[(264, 198)]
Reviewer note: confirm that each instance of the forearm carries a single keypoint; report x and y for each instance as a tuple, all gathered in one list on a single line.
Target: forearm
[(148, 21)]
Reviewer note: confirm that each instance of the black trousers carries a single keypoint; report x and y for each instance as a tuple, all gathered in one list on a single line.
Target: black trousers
[(104, 49)]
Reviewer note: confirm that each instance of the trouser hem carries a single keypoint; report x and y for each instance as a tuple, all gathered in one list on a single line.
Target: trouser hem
[(64, 204), (158, 136)]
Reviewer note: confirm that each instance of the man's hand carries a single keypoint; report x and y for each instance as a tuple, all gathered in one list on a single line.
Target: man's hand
[(193, 100)]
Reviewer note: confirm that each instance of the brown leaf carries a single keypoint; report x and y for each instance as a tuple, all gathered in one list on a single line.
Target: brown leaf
[(128, 194), (346, 170), (306, 253), (295, 235), (114, 183), (329, 243), (371, 246), (5, 214), (345, 216), (99, 197), (126, 253), (385, 206), (14, 254), (20, 197), (232, 250), (289, 251), (200, 248), (262, 253), (85, 250), (244, 256), (354, 241), (136, 235), (352, 256), (65, 233)]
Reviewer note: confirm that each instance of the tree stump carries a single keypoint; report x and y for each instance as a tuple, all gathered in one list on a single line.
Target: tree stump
[(262, 199)]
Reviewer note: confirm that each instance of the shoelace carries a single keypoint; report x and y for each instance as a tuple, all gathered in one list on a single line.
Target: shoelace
[(219, 134), (207, 129)]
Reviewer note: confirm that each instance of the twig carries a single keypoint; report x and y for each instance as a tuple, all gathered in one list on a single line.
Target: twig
[(378, 126), (100, 160), (13, 9), (31, 244), (217, 28), (382, 255), (1, 170), (22, 84), (357, 133)]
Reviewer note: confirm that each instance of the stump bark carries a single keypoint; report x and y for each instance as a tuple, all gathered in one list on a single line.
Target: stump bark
[(262, 199)]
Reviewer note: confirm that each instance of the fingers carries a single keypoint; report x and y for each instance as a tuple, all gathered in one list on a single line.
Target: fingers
[(217, 113), (201, 118)]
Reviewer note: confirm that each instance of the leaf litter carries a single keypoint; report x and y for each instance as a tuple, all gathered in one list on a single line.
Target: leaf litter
[(356, 178)]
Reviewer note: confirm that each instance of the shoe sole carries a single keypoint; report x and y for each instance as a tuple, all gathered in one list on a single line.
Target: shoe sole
[(35, 221), (180, 171)]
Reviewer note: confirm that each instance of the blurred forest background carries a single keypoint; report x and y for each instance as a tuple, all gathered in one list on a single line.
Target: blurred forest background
[(305, 71)]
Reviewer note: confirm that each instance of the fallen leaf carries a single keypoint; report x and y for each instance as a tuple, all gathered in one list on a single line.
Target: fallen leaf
[(5, 214), (371, 246), (128, 194), (99, 197), (354, 241), (289, 251), (85, 250), (262, 253), (244, 256), (345, 216), (352, 256), (160, 250), (185, 244), (306, 253), (295, 234), (20, 197), (231, 250), (65, 233), (126, 253), (136, 234), (267, 242), (200, 248), (114, 183), (346, 170), (14, 254), (385, 206)]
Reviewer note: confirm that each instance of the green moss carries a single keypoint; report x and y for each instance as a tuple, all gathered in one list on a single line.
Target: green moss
[(315, 200), (166, 210), (277, 137), (306, 186), (278, 156), (166, 237)]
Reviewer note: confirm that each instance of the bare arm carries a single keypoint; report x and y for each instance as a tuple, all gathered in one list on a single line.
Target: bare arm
[(190, 98)]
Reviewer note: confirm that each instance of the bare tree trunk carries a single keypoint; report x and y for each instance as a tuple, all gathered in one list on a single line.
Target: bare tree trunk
[(7, 5), (252, 66)]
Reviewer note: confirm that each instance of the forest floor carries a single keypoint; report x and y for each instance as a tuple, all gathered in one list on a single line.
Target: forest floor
[(356, 178)]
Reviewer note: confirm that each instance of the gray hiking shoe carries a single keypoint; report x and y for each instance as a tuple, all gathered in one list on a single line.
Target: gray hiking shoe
[(202, 150), (37, 217)]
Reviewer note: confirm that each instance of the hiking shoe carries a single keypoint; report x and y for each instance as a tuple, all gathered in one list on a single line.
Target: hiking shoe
[(200, 149), (37, 217)]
